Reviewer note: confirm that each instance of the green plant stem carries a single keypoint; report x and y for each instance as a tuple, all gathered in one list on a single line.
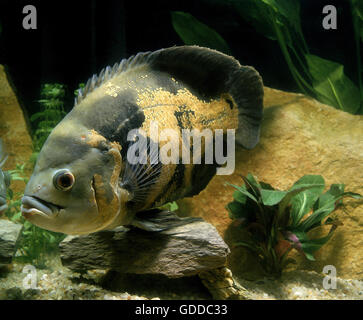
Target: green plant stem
[(335, 94), (306, 48), (302, 64), (298, 58), (296, 75), (331, 102), (286, 54)]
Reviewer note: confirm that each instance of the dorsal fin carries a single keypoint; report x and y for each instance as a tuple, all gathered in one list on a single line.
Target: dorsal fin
[(107, 73)]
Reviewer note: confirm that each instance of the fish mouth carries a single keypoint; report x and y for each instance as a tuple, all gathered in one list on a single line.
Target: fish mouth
[(3, 205), (32, 205)]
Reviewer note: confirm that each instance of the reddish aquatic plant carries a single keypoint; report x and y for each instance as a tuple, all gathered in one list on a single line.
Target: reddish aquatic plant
[(279, 221)]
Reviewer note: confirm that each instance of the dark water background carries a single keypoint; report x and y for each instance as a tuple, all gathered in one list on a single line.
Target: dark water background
[(75, 39)]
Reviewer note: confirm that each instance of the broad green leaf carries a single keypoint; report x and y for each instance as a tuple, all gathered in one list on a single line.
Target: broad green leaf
[(308, 181), (326, 206), (258, 14), (312, 245), (289, 9), (335, 191), (251, 183), (272, 197), (239, 211), (240, 197), (357, 11), (303, 202), (194, 32), (331, 84), (244, 191), (317, 216), (236, 209), (309, 246), (264, 15), (314, 182)]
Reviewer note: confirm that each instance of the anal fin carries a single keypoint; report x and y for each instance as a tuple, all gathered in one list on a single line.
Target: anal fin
[(156, 220)]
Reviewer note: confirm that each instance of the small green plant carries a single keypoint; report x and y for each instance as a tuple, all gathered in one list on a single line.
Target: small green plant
[(14, 200), (170, 206), (80, 86), (52, 112), (279, 221), (35, 243)]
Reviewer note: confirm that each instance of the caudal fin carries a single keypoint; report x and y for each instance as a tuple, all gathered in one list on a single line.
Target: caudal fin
[(246, 88)]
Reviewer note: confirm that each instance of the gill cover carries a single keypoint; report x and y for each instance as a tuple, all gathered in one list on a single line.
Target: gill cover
[(110, 198)]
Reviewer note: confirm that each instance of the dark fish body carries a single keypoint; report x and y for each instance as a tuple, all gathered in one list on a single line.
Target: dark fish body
[(178, 88)]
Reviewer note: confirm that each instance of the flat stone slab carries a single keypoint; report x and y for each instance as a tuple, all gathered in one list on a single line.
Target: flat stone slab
[(9, 234), (183, 250)]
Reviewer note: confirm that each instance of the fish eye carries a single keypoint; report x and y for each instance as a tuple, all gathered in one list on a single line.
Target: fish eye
[(63, 180)]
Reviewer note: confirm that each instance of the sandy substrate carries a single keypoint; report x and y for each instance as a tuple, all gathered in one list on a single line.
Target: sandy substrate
[(59, 283)]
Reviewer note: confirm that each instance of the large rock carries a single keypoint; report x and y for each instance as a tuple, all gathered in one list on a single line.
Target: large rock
[(299, 136), (9, 234), (184, 250), (13, 128)]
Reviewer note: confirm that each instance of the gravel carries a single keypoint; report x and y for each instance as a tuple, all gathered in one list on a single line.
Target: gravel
[(59, 283), (303, 285)]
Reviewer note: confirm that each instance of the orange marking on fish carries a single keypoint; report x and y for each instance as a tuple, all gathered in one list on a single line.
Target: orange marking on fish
[(94, 138)]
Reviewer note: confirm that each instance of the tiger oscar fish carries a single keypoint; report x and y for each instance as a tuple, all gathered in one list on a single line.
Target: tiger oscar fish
[(84, 179)]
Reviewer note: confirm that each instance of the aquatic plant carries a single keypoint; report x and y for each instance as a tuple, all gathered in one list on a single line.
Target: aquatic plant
[(170, 206), (52, 112), (14, 199), (194, 32), (80, 86), (280, 20), (323, 79), (279, 221), (34, 243)]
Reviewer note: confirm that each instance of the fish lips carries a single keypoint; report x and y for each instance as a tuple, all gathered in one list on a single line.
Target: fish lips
[(3, 205), (31, 205)]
